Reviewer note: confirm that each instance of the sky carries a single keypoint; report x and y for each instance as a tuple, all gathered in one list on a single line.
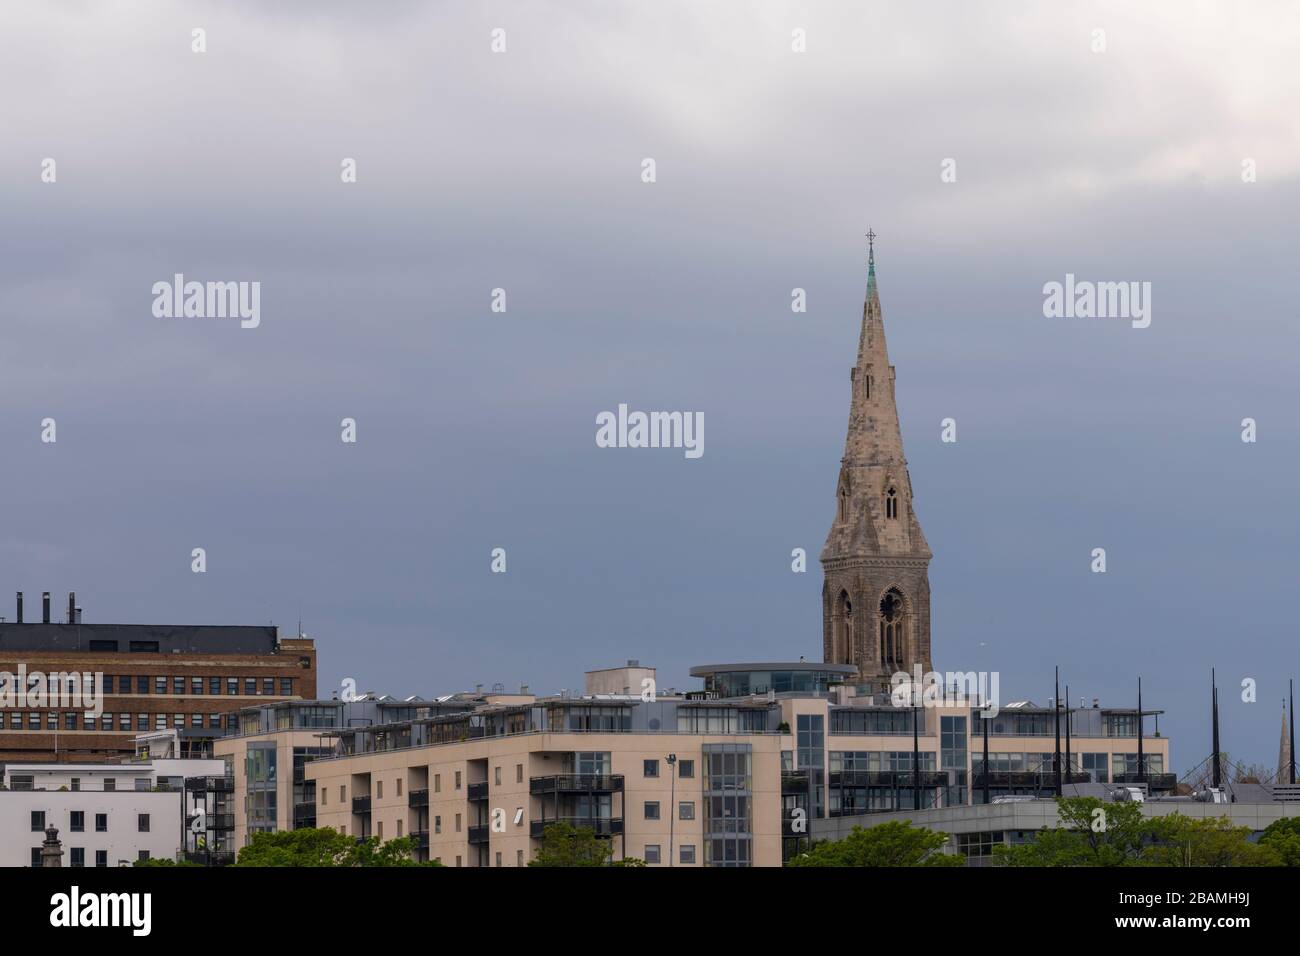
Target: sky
[(522, 170)]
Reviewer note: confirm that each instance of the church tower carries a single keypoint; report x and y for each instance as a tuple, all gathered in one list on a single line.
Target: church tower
[(876, 590)]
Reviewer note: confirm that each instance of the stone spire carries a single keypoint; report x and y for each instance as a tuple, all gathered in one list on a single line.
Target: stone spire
[(876, 597)]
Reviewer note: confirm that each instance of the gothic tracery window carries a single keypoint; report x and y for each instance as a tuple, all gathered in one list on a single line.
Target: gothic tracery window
[(892, 614), (891, 503), (844, 625)]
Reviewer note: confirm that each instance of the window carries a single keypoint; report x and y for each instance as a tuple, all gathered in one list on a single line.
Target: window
[(76, 784), (110, 784), (142, 822), (892, 633), (52, 721), (160, 685), (250, 686), (686, 810), (286, 686), (101, 822), (77, 821), (179, 721), (214, 721), (496, 776), (178, 685), (16, 721), (498, 858), (687, 854), (160, 721), (108, 684), (142, 855), (105, 721), (891, 503), (437, 783), (78, 856), (398, 781), (686, 769), (519, 773), (652, 853), (458, 823), (380, 830), (379, 789), (141, 784), (343, 793), (124, 722), (34, 721), (457, 779), (437, 824), (519, 857), (36, 856), (70, 721), (214, 686), (196, 685), (101, 858), (652, 809), (650, 768), (38, 821), (268, 686), (232, 686), (141, 684)]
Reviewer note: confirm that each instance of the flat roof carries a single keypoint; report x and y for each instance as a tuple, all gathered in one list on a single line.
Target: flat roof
[(704, 670), (170, 638)]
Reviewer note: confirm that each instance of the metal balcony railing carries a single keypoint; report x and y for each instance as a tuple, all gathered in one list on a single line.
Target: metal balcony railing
[(360, 804), (577, 783), (417, 798), (478, 835), (477, 791), (603, 826)]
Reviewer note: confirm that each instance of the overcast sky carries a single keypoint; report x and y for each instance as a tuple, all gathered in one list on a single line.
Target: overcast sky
[(522, 170)]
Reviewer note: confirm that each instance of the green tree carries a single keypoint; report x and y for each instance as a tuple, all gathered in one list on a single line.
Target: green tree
[(1214, 841), (325, 847), (163, 861), (1283, 838), (565, 845), (1092, 833), (887, 844)]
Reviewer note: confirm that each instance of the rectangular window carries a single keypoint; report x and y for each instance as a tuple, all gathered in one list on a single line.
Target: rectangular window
[(142, 855), (398, 782), (141, 684), (457, 779), (108, 684), (196, 685), (214, 686), (77, 821), (379, 789), (142, 822), (160, 722), (232, 686), (101, 822), (652, 853), (70, 721), (437, 783), (343, 793), (110, 784), (437, 824), (250, 686), (686, 769), (124, 722), (196, 720), (36, 856), (178, 686), (38, 820), (687, 854), (141, 784), (76, 784), (519, 773), (214, 721), (160, 685), (650, 768), (34, 721), (179, 721), (101, 858), (458, 823), (78, 856), (286, 686), (496, 776), (652, 809), (268, 686), (686, 810)]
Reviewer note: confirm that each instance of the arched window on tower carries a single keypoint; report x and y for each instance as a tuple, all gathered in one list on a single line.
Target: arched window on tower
[(844, 637), (843, 505), (892, 620), (891, 503)]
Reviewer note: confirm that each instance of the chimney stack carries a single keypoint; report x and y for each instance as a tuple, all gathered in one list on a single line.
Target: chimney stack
[(72, 607), (45, 607), (20, 607)]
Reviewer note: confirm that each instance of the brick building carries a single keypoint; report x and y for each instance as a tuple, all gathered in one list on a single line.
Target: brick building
[(191, 678)]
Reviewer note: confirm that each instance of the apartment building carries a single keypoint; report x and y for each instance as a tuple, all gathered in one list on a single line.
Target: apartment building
[(698, 779), (188, 678)]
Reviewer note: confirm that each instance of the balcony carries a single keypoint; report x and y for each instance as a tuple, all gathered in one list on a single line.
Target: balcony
[(1154, 781), (577, 783), (1031, 779), (210, 858), (220, 821), (477, 791), (360, 804), (478, 835), (417, 798), (795, 782), (421, 838), (304, 816), (300, 773), (603, 826), (899, 779), (210, 784)]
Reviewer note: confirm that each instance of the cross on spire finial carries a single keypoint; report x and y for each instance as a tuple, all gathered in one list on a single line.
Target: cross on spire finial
[(871, 245)]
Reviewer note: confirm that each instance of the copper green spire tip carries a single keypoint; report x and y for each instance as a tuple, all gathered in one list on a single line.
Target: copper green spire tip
[(871, 259)]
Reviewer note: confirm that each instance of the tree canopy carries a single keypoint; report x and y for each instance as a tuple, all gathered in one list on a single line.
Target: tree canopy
[(887, 844), (325, 847)]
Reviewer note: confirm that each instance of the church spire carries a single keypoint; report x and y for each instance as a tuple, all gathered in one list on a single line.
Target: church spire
[(876, 556)]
